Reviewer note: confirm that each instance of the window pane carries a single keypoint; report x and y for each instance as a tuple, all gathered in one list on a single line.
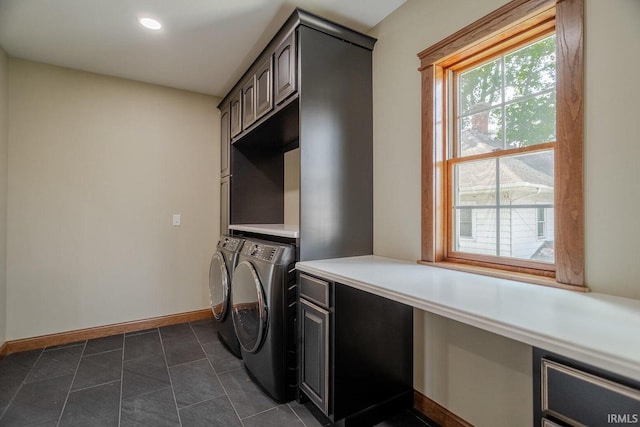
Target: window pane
[(482, 240), (465, 223), (480, 133), (480, 87), (526, 230), (519, 235), (531, 121), (475, 183), (527, 179), (542, 226), (531, 70)]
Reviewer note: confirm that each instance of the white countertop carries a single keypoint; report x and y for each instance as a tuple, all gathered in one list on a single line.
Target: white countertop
[(597, 329), (281, 230)]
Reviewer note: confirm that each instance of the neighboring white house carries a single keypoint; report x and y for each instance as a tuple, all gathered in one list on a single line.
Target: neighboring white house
[(524, 204)]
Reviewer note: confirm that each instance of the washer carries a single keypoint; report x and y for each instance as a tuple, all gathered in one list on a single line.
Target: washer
[(263, 296), (221, 269)]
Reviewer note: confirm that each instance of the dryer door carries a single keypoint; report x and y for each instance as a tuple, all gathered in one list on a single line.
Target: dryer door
[(249, 307), (218, 286)]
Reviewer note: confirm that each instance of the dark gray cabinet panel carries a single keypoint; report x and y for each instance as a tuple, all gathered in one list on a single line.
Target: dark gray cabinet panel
[(336, 160), (578, 394), (285, 68), (314, 369), (225, 140), (249, 102), (264, 91), (235, 103), (225, 187)]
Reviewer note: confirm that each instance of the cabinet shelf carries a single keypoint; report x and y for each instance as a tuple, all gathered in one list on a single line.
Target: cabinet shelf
[(280, 230)]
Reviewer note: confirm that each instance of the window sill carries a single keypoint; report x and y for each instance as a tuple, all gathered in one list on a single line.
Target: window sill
[(509, 275)]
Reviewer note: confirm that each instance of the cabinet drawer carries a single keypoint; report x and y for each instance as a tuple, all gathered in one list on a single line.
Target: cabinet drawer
[(548, 423), (314, 290), (583, 399)]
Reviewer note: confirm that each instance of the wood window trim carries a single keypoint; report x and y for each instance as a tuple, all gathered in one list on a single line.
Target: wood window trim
[(513, 20)]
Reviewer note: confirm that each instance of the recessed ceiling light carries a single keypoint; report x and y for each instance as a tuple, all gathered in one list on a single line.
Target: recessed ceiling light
[(150, 23)]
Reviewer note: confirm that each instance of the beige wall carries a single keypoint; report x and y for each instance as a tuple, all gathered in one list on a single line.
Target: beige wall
[(98, 165), (4, 81), (482, 377)]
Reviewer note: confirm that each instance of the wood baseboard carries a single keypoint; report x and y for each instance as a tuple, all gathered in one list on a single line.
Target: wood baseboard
[(101, 331), (3, 350), (437, 412)]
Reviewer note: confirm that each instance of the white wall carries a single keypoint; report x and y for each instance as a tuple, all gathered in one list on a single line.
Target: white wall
[(484, 378), (97, 167), (4, 81)]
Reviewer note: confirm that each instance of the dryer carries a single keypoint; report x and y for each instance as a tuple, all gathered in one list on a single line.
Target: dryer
[(264, 311), (221, 269)]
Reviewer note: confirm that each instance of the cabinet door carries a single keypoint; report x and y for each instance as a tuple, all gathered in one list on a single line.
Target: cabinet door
[(314, 358), (225, 140), (236, 113), (249, 102), (225, 206), (264, 84), (285, 68)]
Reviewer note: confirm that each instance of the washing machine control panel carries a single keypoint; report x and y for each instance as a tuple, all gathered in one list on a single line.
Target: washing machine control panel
[(230, 243)]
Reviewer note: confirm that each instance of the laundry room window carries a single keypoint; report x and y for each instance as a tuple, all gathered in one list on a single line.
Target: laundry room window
[(502, 145)]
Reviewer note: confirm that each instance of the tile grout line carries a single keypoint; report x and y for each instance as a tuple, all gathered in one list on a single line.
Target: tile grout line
[(173, 392), (262, 412), (217, 377), (21, 384), (93, 386), (192, 361), (102, 352), (296, 414), (202, 401), (64, 405), (146, 393)]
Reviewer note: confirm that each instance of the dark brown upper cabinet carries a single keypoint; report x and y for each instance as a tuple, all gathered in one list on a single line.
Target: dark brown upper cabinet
[(249, 102), (263, 90), (225, 139), (236, 113), (309, 89), (285, 68)]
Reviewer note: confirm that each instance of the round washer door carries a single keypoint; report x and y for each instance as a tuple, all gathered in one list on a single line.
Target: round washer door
[(218, 286), (248, 307)]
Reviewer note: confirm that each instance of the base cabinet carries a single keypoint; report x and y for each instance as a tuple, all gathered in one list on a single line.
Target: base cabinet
[(355, 350), (570, 393), (314, 326)]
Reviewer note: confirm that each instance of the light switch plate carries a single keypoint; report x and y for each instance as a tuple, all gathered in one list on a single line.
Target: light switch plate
[(176, 219)]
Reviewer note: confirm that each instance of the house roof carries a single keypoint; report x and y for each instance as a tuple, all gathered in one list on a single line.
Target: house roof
[(520, 172)]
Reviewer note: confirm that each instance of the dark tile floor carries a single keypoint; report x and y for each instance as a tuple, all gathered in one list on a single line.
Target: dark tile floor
[(177, 375)]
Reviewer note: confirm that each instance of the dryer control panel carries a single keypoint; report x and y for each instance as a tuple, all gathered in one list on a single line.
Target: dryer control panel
[(260, 251)]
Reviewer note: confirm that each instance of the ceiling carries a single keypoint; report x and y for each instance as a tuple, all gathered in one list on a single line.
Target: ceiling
[(204, 45)]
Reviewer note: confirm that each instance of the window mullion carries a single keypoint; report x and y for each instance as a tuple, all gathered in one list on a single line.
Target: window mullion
[(498, 206), (502, 103)]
